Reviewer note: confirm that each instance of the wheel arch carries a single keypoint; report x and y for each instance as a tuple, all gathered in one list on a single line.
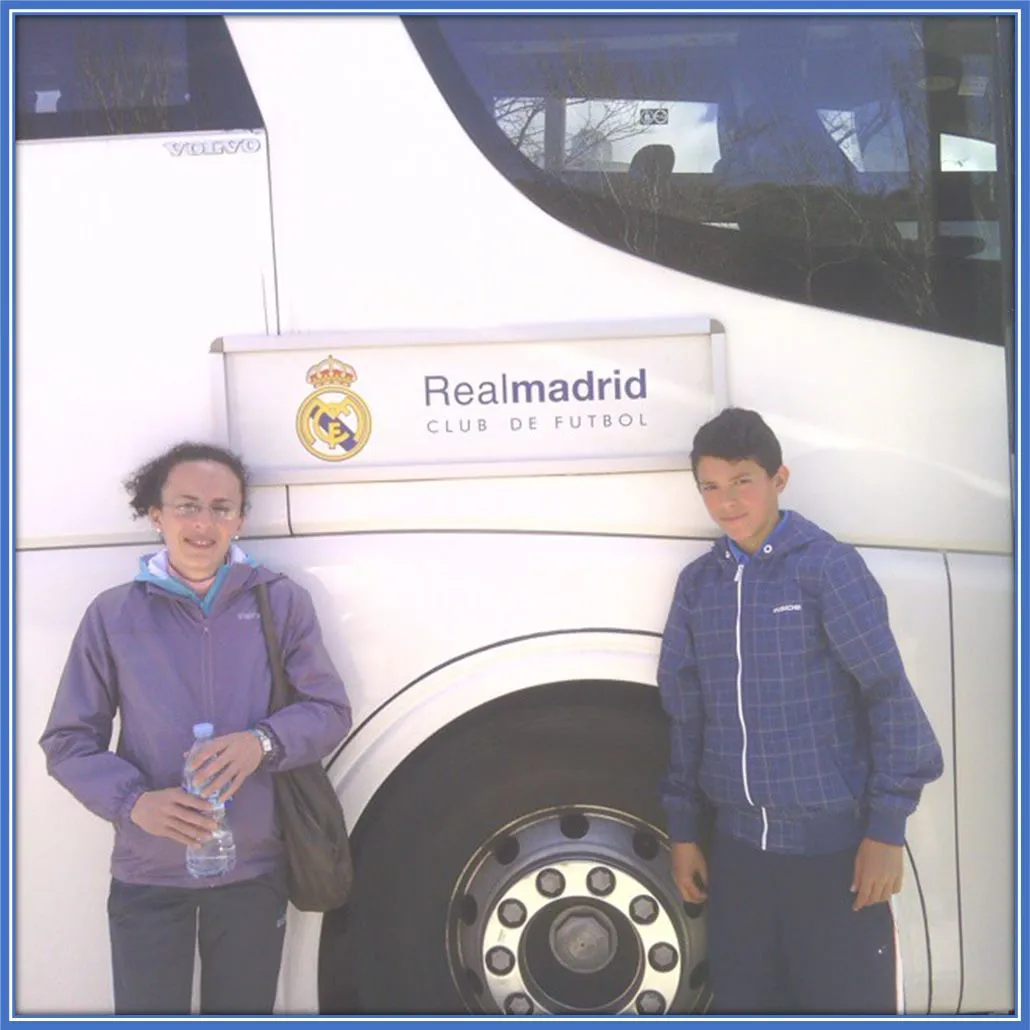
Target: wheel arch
[(432, 702)]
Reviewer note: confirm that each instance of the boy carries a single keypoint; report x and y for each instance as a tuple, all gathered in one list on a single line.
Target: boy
[(793, 717)]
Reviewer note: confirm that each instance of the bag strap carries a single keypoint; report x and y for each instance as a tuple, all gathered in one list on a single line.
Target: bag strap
[(280, 688)]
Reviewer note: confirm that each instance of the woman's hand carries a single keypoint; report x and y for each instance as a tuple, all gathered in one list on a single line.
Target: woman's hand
[(174, 814), (222, 764)]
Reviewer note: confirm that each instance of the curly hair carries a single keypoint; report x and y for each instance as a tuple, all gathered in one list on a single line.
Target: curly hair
[(144, 486)]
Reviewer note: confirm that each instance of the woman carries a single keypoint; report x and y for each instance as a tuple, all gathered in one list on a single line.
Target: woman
[(179, 645)]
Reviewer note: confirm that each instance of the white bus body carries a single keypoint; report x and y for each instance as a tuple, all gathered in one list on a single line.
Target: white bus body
[(494, 594)]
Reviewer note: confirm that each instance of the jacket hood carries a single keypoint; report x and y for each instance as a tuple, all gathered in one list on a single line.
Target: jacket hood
[(793, 533), (240, 572)]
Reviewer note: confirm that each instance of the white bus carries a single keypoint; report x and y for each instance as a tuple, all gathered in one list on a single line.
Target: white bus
[(461, 290)]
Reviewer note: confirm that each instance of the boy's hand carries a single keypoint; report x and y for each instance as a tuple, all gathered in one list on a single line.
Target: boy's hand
[(878, 873), (690, 871)]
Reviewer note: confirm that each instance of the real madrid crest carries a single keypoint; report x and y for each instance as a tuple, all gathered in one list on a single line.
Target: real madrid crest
[(333, 423)]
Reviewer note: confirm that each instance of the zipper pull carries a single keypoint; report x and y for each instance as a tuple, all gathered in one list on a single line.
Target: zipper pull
[(740, 573)]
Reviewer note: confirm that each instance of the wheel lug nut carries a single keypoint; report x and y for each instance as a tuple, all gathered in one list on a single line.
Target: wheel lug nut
[(643, 910), (693, 909), (650, 1003), (663, 957), (550, 883), (500, 961), (518, 1005), (512, 913), (601, 881)]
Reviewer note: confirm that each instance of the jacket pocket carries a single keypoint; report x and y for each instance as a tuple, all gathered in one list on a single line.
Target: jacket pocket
[(853, 774)]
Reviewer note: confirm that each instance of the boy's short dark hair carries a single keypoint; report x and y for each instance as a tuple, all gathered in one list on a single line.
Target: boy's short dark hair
[(736, 434)]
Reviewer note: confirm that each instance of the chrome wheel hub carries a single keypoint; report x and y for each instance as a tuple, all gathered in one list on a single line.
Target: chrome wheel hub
[(574, 911)]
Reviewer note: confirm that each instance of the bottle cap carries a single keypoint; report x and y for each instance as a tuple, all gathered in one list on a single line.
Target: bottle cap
[(203, 729)]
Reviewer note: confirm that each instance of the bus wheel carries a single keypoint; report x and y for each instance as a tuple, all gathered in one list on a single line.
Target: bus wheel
[(513, 865)]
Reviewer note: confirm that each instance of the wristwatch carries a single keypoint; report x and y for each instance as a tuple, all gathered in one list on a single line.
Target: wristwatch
[(265, 740)]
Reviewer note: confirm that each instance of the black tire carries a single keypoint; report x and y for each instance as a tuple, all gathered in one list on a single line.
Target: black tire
[(602, 745)]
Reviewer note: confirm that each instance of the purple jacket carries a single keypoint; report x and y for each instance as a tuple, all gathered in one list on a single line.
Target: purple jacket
[(161, 658)]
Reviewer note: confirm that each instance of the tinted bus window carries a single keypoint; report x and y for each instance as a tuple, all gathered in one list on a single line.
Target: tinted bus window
[(120, 75), (850, 163)]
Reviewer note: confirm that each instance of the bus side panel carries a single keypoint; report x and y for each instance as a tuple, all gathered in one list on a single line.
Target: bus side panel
[(917, 596), (125, 276), (982, 591), (392, 608), (62, 862), (388, 215)]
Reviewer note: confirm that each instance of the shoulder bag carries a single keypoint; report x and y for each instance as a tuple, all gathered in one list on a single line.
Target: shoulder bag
[(319, 868)]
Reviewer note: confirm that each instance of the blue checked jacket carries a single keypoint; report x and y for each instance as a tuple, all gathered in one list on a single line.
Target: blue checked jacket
[(790, 709)]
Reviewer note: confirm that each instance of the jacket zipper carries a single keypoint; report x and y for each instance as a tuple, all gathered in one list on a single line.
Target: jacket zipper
[(739, 580), (208, 667)]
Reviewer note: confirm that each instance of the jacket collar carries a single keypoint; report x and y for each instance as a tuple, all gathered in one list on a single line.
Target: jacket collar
[(742, 557), (240, 571), (791, 532)]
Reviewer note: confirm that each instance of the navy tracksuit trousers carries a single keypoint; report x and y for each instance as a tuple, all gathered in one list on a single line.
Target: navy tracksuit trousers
[(155, 931), (782, 937)]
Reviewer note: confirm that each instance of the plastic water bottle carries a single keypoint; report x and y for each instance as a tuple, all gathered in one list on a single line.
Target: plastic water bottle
[(216, 856)]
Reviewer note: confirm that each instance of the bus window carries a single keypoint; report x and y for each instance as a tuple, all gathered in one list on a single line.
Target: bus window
[(848, 163), (118, 76)]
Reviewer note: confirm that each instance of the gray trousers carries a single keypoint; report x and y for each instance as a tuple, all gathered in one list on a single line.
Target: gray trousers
[(155, 932)]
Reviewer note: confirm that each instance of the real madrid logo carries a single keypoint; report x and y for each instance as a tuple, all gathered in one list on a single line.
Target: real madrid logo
[(333, 423)]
